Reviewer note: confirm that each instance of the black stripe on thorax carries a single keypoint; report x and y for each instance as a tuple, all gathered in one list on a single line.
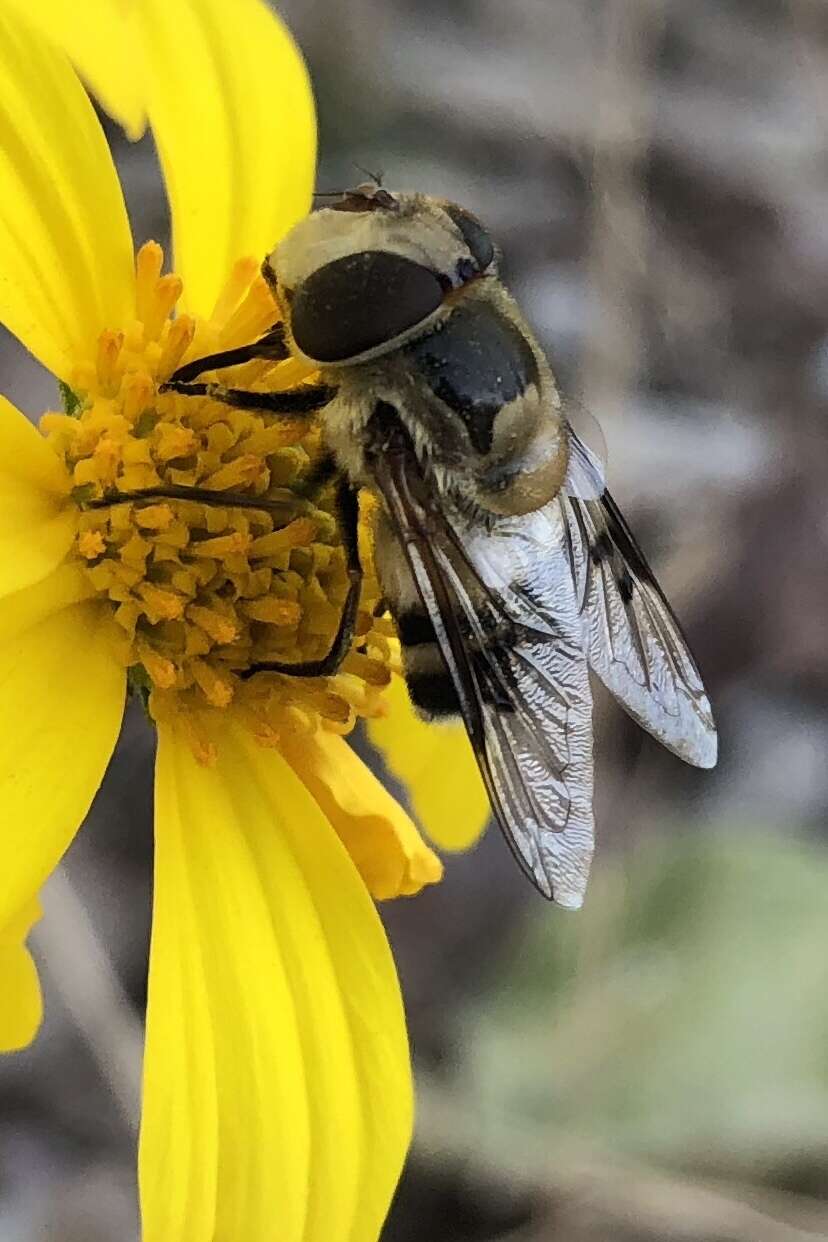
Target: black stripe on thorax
[(476, 361)]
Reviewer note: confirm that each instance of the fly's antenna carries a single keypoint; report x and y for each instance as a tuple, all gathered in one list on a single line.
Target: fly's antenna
[(376, 177), (369, 196)]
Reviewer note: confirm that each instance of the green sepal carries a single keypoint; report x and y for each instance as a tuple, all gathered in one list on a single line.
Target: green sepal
[(72, 403), (83, 493), (145, 424), (139, 684)]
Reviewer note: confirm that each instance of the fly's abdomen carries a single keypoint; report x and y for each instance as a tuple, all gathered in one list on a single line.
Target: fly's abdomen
[(429, 684)]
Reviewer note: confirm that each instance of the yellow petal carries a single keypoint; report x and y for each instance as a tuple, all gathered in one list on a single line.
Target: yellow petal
[(36, 524), (99, 37), (232, 112), (388, 851), (21, 611), (21, 1010), (277, 1094), (65, 245), (437, 765), (62, 698)]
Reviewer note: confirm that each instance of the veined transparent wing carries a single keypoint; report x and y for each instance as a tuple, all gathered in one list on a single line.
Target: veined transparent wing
[(635, 644), (587, 466), (523, 689)]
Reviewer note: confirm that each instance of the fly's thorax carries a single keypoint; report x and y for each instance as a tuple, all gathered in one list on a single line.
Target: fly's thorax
[(346, 419), (477, 399), (491, 396)]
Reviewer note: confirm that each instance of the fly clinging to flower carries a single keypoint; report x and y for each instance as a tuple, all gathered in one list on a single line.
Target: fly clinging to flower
[(507, 566)]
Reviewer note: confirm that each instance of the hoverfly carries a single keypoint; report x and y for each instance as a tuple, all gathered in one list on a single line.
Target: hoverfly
[(507, 566)]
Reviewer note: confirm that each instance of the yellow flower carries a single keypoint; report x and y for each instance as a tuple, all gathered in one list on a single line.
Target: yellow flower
[(277, 1098)]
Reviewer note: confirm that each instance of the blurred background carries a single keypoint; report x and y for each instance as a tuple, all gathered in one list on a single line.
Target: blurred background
[(655, 1067)]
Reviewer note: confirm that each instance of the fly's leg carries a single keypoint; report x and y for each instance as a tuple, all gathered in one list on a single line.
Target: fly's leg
[(305, 399), (347, 503), (271, 346), (280, 501)]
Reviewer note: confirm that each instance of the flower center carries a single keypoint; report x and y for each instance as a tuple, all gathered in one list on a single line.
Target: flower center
[(202, 591)]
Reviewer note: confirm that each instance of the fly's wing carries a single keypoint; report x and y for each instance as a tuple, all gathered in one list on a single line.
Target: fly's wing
[(523, 691), (586, 468), (635, 643)]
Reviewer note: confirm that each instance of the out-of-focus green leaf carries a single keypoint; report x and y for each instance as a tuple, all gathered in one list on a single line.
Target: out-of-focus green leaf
[(682, 1015)]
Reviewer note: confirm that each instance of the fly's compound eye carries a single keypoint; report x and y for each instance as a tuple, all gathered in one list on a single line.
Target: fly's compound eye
[(361, 301), (481, 246)]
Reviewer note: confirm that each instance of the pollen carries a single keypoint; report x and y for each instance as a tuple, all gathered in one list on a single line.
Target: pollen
[(205, 590)]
